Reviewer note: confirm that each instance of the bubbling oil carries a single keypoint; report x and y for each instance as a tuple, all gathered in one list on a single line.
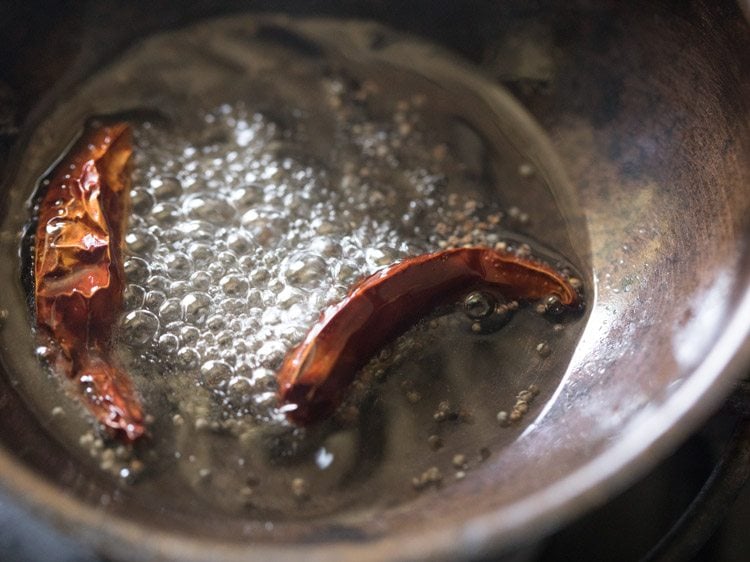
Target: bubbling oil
[(285, 164)]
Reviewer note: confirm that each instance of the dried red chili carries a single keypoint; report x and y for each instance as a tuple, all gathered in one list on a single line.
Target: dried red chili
[(78, 271), (316, 374)]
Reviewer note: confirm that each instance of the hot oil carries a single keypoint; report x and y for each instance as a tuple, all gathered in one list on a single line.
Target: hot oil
[(286, 163)]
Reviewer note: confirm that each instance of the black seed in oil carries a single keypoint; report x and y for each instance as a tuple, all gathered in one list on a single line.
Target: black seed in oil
[(553, 305)]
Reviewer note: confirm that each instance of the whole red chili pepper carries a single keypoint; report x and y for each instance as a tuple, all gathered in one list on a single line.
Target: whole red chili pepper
[(78, 271), (316, 374)]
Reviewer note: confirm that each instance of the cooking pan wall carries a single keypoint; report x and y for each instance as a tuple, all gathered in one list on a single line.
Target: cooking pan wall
[(646, 103)]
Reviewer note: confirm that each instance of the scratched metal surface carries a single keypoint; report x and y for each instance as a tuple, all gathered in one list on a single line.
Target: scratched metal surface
[(648, 110)]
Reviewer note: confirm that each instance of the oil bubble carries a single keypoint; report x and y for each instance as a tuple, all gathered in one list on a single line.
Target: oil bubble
[(141, 201), (216, 373), (239, 242), (198, 230), (240, 391), (187, 359), (305, 269), (247, 196), (168, 343), (170, 311), (201, 254), (154, 300), (478, 305), (141, 242), (189, 335), (178, 265), (166, 214), (225, 339), (158, 282), (228, 260), (166, 188), (139, 327), (212, 209), (234, 285), (179, 288), (136, 270), (200, 281), (196, 307), (216, 323), (133, 296)]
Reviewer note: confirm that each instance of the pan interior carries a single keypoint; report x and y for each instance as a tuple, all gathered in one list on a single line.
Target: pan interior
[(267, 193)]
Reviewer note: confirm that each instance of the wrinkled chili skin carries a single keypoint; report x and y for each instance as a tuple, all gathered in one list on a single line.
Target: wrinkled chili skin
[(316, 374), (78, 270)]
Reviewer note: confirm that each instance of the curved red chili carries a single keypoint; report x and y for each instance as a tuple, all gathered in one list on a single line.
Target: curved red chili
[(78, 271), (316, 374)]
